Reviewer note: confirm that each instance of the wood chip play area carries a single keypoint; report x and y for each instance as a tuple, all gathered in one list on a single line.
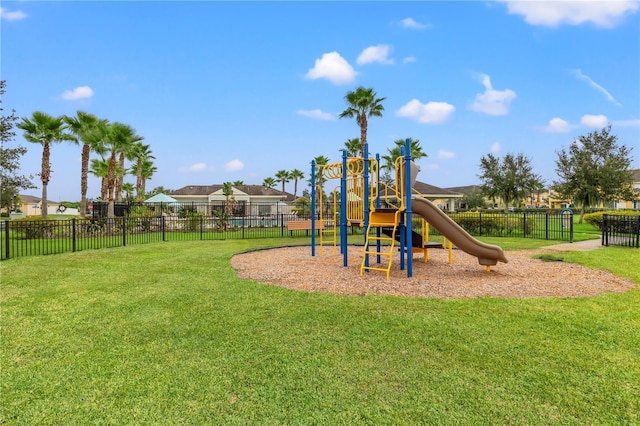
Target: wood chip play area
[(521, 277)]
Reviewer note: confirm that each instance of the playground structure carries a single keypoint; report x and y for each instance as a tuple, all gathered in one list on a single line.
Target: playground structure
[(385, 212)]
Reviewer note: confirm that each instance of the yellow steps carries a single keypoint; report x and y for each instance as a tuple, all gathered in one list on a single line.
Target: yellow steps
[(380, 219)]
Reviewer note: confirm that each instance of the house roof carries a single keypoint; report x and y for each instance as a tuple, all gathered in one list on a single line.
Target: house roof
[(30, 199), (464, 189), (252, 190), (161, 198), (636, 175), (434, 191)]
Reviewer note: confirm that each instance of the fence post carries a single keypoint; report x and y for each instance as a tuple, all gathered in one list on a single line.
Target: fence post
[(605, 230), (243, 219), (162, 226), (73, 234), (6, 239), (282, 224), (637, 231), (524, 222), (124, 232), (546, 226), (201, 227)]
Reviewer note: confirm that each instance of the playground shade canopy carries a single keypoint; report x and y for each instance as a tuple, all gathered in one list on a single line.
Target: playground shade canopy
[(162, 198)]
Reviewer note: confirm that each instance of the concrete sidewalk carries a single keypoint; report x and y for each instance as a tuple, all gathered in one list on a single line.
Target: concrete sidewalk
[(578, 246)]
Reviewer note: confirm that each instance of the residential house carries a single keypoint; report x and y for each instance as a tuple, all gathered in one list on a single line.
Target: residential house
[(444, 198), (32, 206), (252, 200), (557, 202)]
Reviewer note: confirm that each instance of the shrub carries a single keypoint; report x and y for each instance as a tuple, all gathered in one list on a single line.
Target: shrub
[(596, 218), (33, 227)]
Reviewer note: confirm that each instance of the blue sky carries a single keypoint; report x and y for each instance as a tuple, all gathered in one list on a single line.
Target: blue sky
[(226, 91)]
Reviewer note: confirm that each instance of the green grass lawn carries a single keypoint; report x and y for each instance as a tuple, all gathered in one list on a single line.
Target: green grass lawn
[(166, 333)]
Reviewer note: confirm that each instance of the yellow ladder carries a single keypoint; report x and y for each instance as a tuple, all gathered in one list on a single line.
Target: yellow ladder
[(383, 218)]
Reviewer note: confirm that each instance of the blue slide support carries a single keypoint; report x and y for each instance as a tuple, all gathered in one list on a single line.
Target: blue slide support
[(408, 219), (313, 207), (343, 209)]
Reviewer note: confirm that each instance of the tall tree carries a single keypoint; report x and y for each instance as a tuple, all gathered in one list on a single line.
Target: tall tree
[(269, 182), (44, 129), (394, 153), (82, 125), (141, 153), (595, 169), (128, 190), (353, 147), (148, 170), (100, 168), (230, 201), (119, 139), (128, 152), (283, 176), (511, 179), (10, 181), (296, 175), (361, 104)]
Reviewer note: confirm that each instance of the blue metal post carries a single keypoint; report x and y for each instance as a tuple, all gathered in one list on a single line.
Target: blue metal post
[(408, 219), (343, 209), (313, 207), (365, 207), (378, 206), (401, 225)]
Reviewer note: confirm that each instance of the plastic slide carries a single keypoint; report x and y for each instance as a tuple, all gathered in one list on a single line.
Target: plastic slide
[(487, 254)]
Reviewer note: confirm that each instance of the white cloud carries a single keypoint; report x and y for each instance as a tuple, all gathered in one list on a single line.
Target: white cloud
[(316, 114), (446, 155), (412, 24), (334, 68), (557, 125), (196, 168), (604, 14), (11, 16), (627, 123), (430, 166), (594, 120), (431, 112), (234, 166), (496, 147), (492, 102), (80, 92), (578, 73), (409, 59), (379, 53)]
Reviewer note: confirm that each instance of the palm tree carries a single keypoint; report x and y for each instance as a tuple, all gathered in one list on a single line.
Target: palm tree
[(128, 151), (82, 125), (128, 189), (230, 201), (353, 147), (100, 168), (44, 129), (296, 175), (119, 139), (362, 103), (393, 153), (283, 176), (141, 153), (237, 183), (148, 169), (269, 182)]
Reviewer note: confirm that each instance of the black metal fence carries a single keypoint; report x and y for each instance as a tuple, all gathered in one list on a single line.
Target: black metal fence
[(621, 231), (549, 225), (40, 237)]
